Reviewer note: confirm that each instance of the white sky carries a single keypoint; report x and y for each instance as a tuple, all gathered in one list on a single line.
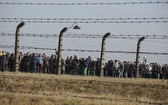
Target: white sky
[(89, 11)]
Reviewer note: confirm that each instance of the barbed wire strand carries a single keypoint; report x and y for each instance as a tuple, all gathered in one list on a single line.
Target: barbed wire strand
[(143, 18), (27, 21), (79, 50), (120, 36), (52, 4)]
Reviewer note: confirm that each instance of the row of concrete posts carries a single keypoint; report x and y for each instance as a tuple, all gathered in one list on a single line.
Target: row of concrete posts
[(59, 52)]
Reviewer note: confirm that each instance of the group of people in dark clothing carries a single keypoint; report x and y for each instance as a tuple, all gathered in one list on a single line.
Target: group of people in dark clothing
[(42, 63)]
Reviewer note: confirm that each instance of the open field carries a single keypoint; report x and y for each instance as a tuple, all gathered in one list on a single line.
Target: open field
[(44, 89)]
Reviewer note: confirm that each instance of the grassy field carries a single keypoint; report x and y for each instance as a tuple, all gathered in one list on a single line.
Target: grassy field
[(44, 89)]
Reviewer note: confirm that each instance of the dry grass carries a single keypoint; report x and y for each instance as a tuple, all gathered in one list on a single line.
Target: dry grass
[(43, 89)]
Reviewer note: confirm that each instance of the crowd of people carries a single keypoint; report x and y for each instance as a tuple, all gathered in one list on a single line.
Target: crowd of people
[(42, 63)]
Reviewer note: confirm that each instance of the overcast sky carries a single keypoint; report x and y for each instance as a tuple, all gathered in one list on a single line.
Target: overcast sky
[(88, 11)]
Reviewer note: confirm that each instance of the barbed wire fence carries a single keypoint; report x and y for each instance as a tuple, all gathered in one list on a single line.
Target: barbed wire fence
[(27, 21), (79, 50), (119, 36), (86, 20), (129, 20), (142, 18), (87, 3)]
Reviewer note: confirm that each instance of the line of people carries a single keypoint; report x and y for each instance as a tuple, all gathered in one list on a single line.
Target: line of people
[(41, 63)]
